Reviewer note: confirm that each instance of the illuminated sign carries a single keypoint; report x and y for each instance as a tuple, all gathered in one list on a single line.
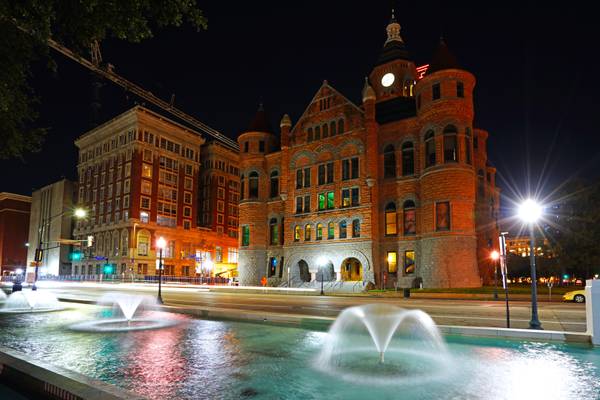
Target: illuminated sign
[(421, 71)]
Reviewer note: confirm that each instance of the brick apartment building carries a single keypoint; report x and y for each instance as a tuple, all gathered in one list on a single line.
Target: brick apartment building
[(139, 180), (396, 190), (14, 229)]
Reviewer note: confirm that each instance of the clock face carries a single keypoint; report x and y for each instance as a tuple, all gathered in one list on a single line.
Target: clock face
[(388, 79)]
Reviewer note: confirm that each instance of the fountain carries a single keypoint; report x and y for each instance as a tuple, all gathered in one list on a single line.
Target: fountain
[(384, 343), (127, 305), (31, 301), (2, 296)]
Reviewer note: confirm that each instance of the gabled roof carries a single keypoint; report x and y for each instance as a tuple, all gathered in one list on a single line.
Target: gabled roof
[(317, 95)]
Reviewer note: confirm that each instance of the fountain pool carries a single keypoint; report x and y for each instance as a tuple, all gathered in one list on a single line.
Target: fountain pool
[(127, 305), (29, 301), (202, 359)]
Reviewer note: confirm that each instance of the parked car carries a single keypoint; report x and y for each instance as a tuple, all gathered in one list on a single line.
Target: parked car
[(577, 296)]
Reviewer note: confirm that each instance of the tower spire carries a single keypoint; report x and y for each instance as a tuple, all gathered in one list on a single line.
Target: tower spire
[(393, 30)]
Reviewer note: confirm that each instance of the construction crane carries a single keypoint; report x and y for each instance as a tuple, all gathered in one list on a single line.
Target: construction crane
[(108, 72)]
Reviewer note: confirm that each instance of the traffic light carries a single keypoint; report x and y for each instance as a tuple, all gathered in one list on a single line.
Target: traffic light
[(90, 241), (76, 256), (108, 269)]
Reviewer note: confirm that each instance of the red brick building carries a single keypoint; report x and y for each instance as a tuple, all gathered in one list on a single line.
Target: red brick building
[(14, 231), (394, 191), (139, 180)]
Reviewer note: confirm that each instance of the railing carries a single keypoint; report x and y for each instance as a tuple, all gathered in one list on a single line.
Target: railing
[(133, 278)]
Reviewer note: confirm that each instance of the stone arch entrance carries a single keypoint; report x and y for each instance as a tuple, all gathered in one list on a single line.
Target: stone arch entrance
[(352, 270), (303, 272), (328, 272)]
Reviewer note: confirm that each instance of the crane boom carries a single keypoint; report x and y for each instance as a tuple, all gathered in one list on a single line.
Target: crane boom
[(109, 74)]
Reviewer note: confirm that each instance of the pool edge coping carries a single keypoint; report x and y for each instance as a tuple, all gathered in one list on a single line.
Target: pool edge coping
[(52, 381)]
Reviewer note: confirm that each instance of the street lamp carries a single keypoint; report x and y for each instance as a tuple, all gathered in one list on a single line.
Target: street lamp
[(321, 262), (78, 213), (161, 243), (495, 256), (530, 212)]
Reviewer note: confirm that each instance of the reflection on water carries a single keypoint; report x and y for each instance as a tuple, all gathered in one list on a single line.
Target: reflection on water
[(225, 360)]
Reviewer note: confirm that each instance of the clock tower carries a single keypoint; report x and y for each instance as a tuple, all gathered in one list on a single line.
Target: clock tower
[(393, 78)]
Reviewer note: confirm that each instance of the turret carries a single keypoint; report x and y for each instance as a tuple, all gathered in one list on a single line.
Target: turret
[(445, 113)]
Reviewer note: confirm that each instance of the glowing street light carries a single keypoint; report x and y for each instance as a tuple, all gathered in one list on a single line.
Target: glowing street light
[(161, 243), (80, 213), (530, 212)]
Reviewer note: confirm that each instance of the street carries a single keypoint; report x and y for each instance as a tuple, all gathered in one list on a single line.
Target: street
[(554, 316)]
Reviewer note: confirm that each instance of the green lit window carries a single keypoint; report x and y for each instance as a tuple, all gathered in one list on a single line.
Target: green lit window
[(330, 230), (330, 200), (321, 201), (245, 235)]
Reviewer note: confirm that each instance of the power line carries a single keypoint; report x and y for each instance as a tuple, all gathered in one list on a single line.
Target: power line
[(109, 74)]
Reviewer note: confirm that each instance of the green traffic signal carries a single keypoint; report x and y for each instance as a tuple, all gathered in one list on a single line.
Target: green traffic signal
[(76, 256)]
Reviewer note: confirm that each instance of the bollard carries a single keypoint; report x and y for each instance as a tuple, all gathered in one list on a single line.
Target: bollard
[(406, 293), (592, 309)]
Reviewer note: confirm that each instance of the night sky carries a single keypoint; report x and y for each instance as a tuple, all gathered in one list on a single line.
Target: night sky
[(535, 67)]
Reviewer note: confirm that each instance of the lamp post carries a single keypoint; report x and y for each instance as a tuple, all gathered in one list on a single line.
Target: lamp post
[(495, 256), (161, 243), (530, 212), (321, 261), (78, 213), (504, 270)]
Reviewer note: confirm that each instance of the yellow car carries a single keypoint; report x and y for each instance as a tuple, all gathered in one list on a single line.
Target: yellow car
[(577, 296)]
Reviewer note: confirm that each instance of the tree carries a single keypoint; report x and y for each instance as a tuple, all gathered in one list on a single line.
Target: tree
[(26, 26), (577, 229)]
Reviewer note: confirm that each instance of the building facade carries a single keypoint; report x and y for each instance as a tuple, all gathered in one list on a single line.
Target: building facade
[(50, 223), (394, 191), (219, 194), (139, 179), (14, 228)]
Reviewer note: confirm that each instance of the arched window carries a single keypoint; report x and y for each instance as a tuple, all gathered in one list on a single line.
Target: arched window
[(332, 128), (468, 145), (408, 159), (330, 230), (253, 185), (390, 219), (307, 232), (340, 126), (274, 231), (319, 231), (325, 131), (242, 187), (355, 228), (429, 149), (481, 182), (410, 217), (450, 144), (310, 135), (297, 233), (389, 162), (274, 184), (343, 230), (317, 132)]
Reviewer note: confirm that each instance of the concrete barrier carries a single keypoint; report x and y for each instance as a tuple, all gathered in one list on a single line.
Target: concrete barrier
[(592, 309), (39, 380)]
